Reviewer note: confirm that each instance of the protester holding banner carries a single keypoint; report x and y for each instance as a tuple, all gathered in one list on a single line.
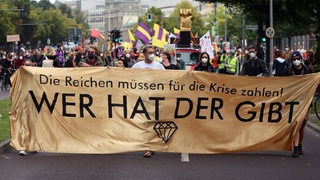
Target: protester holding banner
[(92, 58), (254, 66), (204, 63), (298, 68), (148, 63)]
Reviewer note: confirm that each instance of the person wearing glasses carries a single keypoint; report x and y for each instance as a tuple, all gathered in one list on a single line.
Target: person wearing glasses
[(92, 59), (254, 66), (148, 62), (298, 68)]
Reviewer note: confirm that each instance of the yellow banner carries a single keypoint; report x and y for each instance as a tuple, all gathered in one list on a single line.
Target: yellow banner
[(111, 110)]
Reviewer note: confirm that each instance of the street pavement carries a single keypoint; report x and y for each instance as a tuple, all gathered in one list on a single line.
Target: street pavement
[(270, 165)]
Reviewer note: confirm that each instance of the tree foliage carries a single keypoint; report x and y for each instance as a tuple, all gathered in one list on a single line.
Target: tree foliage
[(38, 21), (290, 17)]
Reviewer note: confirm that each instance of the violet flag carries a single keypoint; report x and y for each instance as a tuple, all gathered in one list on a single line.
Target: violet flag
[(143, 33)]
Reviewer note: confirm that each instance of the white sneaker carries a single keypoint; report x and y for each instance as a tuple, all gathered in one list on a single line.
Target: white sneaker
[(22, 153)]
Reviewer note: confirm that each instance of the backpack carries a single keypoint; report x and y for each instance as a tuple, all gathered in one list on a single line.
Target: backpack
[(279, 66), (47, 62)]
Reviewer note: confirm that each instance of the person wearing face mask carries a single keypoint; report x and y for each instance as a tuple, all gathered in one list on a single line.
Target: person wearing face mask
[(92, 59), (298, 68), (129, 59), (204, 64), (20, 61), (165, 59), (148, 62), (254, 66)]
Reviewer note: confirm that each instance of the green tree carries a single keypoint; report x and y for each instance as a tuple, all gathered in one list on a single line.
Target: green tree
[(291, 17), (45, 5), (38, 21), (6, 20), (157, 16), (65, 10)]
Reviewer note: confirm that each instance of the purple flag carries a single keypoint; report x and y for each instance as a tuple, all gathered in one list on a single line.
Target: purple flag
[(143, 33)]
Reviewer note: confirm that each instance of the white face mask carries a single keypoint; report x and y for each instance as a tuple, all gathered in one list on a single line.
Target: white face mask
[(127, 55), (204, 60), (160, 60), (20, 57), (296, 62), (252, 55), (178, 59), (151, 57)]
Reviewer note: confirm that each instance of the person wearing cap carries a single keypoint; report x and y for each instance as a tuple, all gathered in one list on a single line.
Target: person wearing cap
[(298, 68), (254, 66)]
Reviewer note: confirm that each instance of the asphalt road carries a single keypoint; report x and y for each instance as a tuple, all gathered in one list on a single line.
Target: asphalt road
[(254, 165)]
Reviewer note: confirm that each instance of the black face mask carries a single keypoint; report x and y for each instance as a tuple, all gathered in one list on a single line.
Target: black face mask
[(90, 55)]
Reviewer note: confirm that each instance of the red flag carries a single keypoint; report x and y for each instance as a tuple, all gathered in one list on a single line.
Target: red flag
[(95, 33)]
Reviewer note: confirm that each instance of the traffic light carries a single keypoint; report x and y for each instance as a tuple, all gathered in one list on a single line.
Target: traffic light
[(116, 36), (149, 17), (263, 37)]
